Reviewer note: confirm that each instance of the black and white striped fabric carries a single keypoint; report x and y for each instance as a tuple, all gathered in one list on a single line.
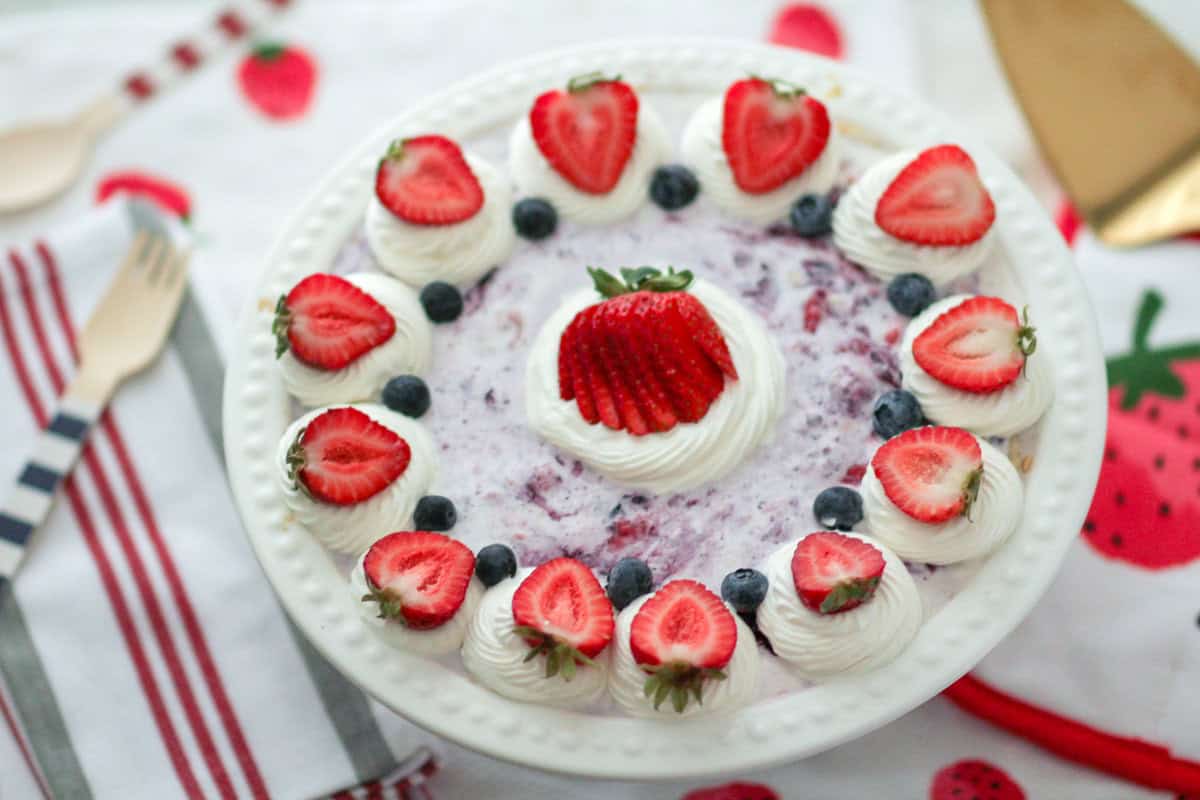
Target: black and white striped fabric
[(28, 503)]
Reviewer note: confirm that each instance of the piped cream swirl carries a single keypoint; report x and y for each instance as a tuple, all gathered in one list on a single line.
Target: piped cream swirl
[(1002, 413), (495, 656), (704, 152), (445, 638), (407, 351), (854, 641), (689, 454), (861, 240), (459, 253), (353, 528), (627, 680), (536, 178), (994, 516)]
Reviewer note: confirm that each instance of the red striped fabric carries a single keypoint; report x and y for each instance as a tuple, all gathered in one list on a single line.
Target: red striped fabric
[(23, 746), (183, 603), (108, 579)]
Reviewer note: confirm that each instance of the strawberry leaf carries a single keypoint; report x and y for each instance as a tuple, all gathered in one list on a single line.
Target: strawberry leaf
[(1145, 370), (587, 80)]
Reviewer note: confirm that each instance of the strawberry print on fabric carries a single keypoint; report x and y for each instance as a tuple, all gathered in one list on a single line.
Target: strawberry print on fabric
[(976, 779), (1146, 510), (734, 791), (278, 80), (807, 26), (167, 195)]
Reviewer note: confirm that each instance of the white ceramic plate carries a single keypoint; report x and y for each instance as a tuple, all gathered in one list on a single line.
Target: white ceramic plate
[(1003, 590)]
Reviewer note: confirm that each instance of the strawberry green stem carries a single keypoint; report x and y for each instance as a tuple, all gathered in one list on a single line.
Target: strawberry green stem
[(561, 657), (587, 80), (679, 681), (268, 51), (640, 279), (784, 90), (1144, 369)]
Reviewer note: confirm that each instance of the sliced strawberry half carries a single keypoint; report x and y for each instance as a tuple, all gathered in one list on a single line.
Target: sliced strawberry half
[(938, 199), (647, 358), (328, 322), (772, 131), (835, 573), (587, 132), (426, 180), (561, 611), (932, 474), (344, 457), (978, 346), (683, 637), (417, 577)]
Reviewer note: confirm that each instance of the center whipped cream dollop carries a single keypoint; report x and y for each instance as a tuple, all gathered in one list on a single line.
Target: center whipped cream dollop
[(689, 454), (459, 253), (406, 352), (704, 152), (445, 638), (628, 680), (854, 641), (857, 235), (495, 656), (536, 178), (994, 516), (1001, 413), (354, 528)]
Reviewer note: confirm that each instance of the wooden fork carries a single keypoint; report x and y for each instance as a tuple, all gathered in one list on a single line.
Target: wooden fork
[(124, 334)]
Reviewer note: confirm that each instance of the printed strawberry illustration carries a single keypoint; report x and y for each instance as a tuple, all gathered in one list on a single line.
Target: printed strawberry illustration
[(807, 26), (162, 192), (974, 779), (278, 80), (344, 457), (938, 199), (646, 358), (772, 131), (418, 578), (1146, 510), (587, 132), (734, 791)]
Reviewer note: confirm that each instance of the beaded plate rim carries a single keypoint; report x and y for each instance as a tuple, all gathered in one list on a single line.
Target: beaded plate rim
[(772, 730)]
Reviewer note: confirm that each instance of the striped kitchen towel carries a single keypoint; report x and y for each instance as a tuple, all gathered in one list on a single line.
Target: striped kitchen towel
[(142, 653)]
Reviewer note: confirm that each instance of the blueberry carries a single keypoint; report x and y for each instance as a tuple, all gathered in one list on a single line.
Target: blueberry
[(534, 218), (442, 302), (744, 589), (407, 394), (812, 215), (895, 412), (434, 513), (910, 294), (838, 507), (673, 187), (494, 563), (628, 580)]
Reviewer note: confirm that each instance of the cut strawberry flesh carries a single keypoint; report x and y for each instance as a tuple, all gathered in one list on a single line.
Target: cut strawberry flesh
[(330, 322), (834, 573), (349, 457), (563, 600), (683, 623), (938, 199), (426, 181), (978, 346), (587, 134), (932, 473), (771, 136), (426, 574)]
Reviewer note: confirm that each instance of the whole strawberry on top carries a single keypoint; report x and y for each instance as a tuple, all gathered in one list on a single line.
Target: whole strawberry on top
[(938, 199), (562, 612), (932, 474), (587, 132), (417, 578), (327, 322), (425, 180), (647, 357), (343, 457), (772, 132), (978, 346), (834, 573), (682, 637)]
